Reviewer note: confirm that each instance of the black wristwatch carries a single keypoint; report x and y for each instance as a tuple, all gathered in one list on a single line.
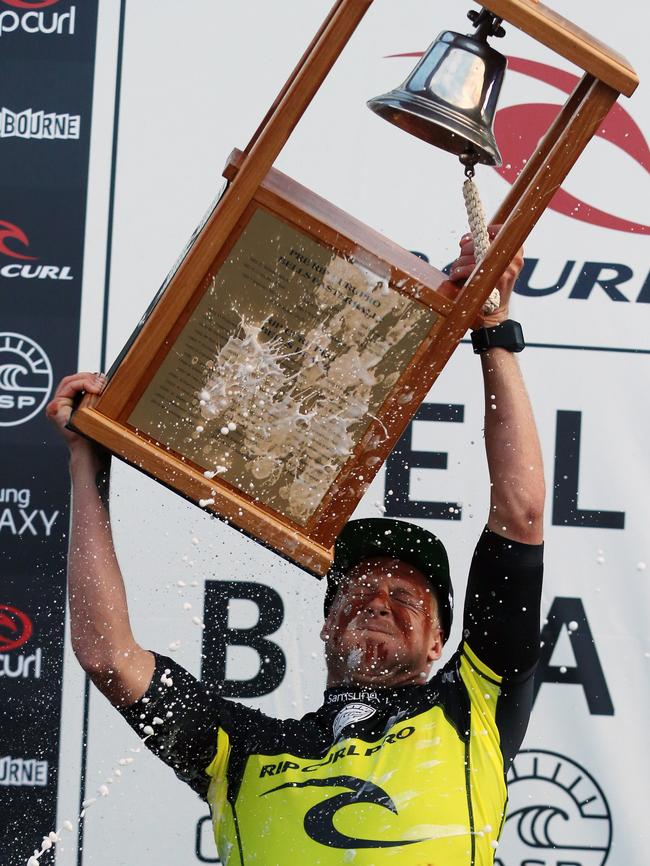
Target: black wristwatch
[(508, 335)]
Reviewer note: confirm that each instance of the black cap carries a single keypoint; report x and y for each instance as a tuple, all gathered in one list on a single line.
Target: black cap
[(408, 542)]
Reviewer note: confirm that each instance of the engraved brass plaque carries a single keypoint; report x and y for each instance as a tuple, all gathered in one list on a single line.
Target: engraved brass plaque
[(282, 366)]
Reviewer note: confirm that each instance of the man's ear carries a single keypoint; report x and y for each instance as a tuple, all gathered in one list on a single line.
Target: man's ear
[(435, 644), (325, 630)]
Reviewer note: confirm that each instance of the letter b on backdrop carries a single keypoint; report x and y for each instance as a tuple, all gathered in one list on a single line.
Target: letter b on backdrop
[(218, 636)]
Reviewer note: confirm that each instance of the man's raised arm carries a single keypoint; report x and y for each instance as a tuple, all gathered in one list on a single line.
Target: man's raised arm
[(502, 601), (511, 441), (102, 639)]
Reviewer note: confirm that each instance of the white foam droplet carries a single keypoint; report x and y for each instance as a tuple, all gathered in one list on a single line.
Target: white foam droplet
[(88, 803), (640, 566), (187, 606), (157, 720), (103, 790), (573, 625), (67, 825), (148, 730)]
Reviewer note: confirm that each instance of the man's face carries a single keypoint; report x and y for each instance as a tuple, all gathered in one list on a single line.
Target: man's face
[(383, 626)]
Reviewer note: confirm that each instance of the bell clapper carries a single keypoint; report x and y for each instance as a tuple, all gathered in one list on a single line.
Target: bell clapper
[(477, 221)]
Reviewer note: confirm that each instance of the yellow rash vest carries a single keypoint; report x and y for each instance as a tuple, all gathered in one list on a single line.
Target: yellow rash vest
[(411, 776)]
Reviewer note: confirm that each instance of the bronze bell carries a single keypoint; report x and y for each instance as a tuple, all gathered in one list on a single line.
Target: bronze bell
[(450, 98)]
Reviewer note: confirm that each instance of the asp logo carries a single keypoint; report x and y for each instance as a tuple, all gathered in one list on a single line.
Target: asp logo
[(15, 628), (14, 244), (350, 715), (25, 379), (558, 814)]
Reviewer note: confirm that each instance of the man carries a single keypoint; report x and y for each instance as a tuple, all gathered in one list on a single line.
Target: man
[(395, 766)]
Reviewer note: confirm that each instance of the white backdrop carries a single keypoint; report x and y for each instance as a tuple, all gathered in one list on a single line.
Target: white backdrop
[(196, 79)]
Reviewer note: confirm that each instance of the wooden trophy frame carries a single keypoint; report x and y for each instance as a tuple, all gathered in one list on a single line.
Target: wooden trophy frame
[(267, 224)]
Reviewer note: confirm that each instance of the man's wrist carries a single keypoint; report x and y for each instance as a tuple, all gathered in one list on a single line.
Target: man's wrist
[(494, 319), (85, 457)]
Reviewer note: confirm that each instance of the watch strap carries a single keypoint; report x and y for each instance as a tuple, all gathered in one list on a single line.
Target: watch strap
[(506, 335)]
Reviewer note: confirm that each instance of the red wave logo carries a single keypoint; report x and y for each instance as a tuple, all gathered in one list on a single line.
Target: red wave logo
[(519, 128), (15, 628), (25, 4), (10, 231)]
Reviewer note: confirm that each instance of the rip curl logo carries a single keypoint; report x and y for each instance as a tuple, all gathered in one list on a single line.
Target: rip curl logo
[(518, 128), (15, 628), (319, 820), (558, 814), (30, 4), (349, 715), (13, 240), (33, 17), (15, 235)]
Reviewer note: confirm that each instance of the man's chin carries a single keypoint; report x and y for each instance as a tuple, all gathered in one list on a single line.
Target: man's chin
[(370, 660)]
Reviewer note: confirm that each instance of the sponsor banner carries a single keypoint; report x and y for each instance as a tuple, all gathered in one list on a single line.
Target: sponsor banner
[(39, 124), (59, 30), (38, 253), (46, 67), (26, 772)]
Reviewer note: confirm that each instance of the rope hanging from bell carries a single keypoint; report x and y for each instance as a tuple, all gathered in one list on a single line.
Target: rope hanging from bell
[(477, 224)]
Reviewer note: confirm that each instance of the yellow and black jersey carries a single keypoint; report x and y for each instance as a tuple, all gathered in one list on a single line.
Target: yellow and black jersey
[(412, 775)]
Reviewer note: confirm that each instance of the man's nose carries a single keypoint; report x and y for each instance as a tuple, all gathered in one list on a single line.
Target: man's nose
[(379, 603)]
